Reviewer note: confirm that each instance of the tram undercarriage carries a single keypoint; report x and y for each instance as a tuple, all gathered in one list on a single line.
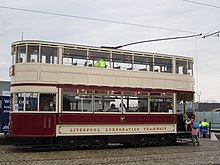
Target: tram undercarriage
[(97, 142)]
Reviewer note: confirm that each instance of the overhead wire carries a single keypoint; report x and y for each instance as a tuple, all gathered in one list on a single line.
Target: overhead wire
[(212, 30), (211, 34), (94, 19), (199, 3), (153, 40)]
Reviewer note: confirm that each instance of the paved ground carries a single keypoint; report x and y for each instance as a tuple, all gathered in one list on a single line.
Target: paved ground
[(207, 153)]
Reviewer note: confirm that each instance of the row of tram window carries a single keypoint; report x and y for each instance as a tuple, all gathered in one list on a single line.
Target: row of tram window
[(34, 102), (92, 101), (97, 101), (87, 57)]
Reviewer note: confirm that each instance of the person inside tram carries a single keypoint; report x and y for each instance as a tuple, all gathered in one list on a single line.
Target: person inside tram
[(122, 108), (185, 69), (112, 108), (20, 60), (141, 108), (87, 63), (169, 108), (100, 63), (46, 102), (32, 60)]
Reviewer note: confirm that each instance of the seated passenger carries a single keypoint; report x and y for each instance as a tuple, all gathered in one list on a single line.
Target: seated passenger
[(44, 105), (141, 108), (20, 60), (87, 63), (99, 110), (100, 63), (185, 69), (46, 102), (113, 108)]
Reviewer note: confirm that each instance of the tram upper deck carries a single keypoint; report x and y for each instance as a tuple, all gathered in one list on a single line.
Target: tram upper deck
[(44, 62)]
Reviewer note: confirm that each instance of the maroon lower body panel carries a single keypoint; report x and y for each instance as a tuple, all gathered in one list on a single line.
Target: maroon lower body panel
[(117, 119), (32, 125), (44, 125)]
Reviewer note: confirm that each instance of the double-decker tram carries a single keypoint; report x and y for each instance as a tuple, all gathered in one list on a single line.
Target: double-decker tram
[(71, 95)]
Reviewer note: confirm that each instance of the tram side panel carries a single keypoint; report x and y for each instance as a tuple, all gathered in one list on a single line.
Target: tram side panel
[(115, 124), (32, 125)]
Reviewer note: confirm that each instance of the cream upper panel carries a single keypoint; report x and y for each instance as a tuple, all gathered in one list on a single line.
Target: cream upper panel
[(64, 74)]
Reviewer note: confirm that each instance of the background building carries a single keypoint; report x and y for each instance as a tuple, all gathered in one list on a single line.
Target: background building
[(4, 105)]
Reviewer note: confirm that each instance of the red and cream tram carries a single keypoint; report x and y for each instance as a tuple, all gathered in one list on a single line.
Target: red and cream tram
[(61, 98)]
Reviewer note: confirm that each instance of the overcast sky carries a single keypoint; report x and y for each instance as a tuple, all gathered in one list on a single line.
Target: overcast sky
[(156, 19)]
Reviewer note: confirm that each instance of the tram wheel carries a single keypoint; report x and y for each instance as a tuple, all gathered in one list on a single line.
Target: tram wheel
[(172, 140), (98, 143), (140, 141), (163, 141), (70, 144)]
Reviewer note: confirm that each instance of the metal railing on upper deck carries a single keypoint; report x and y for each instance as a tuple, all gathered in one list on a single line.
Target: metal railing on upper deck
[(87, 56)]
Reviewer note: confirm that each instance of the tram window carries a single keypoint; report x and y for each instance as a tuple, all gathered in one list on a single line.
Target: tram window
[(18, 102), (190, 68), (94, 56), (179, 107), (122, 61), (189, 107), (181, 67), (33, 53), (112, 103), (106, 103), (143, 63), (100, 104), (78, 103), (161, 105), (47, 102), (13, 53), (74, 57), (66, 102), (49, 55), (84, 103), (184, 101), (31, 101), (21, 54), (163, 65), (184, 106), (136, 104)]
